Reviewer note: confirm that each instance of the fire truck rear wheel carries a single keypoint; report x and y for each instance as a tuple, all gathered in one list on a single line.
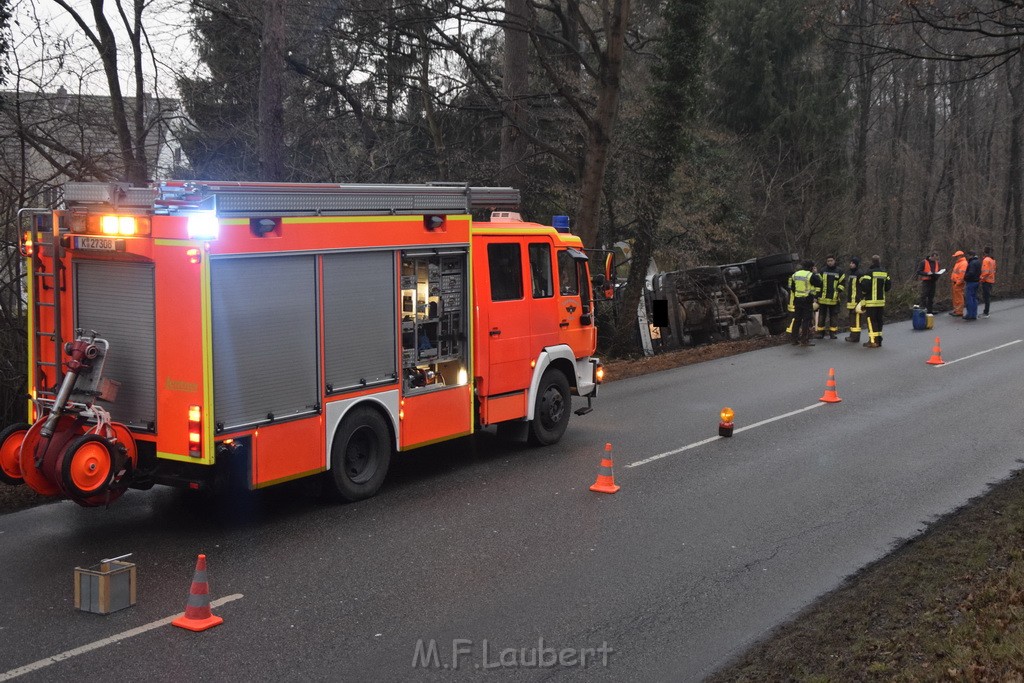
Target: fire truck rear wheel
[(360, 455), (552, 409), (10, 447)]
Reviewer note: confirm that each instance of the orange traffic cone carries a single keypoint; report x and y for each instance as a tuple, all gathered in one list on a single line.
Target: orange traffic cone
[(830, 395), (936, 358), (197, 616), (605, 477)]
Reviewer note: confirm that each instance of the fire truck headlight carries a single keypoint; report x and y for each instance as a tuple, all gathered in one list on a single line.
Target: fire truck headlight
[(203, 226)]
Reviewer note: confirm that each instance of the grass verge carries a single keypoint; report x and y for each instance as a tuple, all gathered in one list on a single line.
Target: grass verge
[(947, 605)]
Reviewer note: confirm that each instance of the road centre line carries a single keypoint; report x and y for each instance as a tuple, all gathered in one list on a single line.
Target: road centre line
[(995, 348), (43, 663), (716, 438)]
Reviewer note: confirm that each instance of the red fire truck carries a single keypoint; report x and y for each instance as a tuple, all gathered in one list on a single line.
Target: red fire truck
[(185, 332)]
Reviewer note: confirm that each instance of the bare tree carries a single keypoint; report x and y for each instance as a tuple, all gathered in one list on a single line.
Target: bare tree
[(271, 134), (102, 37), (515, 85)]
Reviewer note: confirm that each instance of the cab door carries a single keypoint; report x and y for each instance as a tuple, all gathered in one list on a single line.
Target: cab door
[(505, 318), (575, 304), (544, 304)]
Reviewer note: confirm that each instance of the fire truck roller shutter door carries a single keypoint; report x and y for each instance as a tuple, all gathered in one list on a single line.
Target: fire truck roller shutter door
[(116, 299), (359, 319), (264, 338)]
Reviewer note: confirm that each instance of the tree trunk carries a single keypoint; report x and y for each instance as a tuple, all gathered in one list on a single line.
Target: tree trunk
[(599, 127), (624, 340), (1015, 176), (271, 135), (929, 118), (515, 81), (864, 88), (135, 36), (106, 44), (427, 100)]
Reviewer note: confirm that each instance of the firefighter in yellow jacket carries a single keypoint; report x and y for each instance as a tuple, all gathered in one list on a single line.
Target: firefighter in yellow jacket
[(852, 297), (873, 286), (833, 281), (804, 286)]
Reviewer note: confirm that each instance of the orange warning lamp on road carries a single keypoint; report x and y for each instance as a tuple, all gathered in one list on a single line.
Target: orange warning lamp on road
[(725, 424)]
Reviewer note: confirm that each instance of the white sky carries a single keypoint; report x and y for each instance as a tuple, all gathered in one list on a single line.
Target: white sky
[(50, 50)]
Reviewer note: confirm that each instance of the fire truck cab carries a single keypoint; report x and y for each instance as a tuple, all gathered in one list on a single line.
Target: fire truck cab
[(189, 332)]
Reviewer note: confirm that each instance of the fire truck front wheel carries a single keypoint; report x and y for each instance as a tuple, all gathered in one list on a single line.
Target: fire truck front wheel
[(360, 455), (552, 409)]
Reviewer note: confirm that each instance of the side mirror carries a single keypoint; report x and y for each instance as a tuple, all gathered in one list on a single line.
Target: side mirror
[(598, 280)]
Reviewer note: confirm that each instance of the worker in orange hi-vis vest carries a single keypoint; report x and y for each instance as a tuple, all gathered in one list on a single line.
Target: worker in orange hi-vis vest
[(988, 278), (957, 278)]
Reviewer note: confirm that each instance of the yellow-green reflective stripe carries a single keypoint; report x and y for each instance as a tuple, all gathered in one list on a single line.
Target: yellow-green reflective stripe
[(207, 341), (31, 290)]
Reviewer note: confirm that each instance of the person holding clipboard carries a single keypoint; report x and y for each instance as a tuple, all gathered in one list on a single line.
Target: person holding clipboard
[(928, 272)]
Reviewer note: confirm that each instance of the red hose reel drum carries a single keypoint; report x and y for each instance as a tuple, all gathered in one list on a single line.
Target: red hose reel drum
[(88, 465)]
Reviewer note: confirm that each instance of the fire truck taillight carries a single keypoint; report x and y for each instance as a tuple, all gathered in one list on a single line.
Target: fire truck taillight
[(203, 226), (195, 431), (26, 245), (111, 225), (118, 225), (194, 256)]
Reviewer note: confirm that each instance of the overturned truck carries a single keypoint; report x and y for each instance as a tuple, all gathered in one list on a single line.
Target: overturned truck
[(729, 301)]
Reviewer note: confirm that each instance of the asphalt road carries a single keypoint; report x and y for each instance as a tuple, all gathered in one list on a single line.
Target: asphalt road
[(479, 544)]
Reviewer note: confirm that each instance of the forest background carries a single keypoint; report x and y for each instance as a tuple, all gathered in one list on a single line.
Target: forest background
[(701, 131)]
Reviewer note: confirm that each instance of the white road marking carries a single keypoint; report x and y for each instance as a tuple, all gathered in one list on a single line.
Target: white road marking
[(43, 663), (995, 348), (659, 456)]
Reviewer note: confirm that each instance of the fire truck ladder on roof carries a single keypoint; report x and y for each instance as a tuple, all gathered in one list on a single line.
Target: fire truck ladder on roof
[(301, 199)]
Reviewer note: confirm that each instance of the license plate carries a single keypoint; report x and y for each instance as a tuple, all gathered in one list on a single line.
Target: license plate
[(95, 243)]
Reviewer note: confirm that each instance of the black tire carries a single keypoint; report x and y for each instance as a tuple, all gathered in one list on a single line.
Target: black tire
[(360, 455), (779, 270), (551, 410), (777, 260), (11, 434)]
